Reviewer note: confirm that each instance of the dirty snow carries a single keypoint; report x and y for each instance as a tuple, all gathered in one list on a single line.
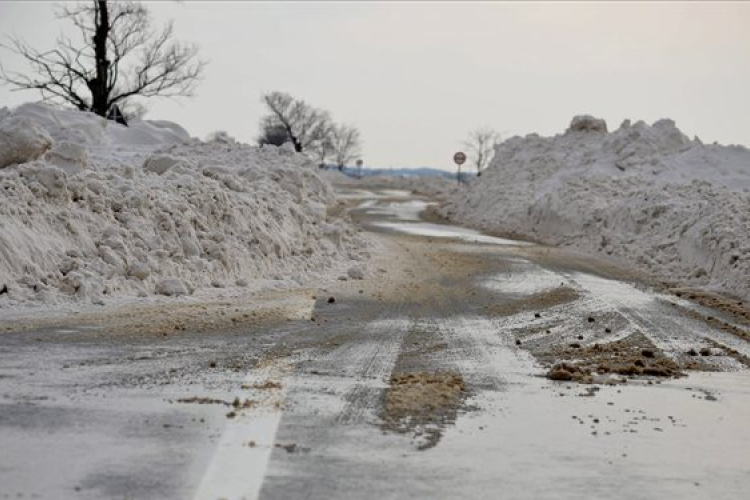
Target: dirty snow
[(644, 194), (92, 210)]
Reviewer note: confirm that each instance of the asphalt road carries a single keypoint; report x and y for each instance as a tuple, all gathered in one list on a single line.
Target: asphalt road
[(424, 380)]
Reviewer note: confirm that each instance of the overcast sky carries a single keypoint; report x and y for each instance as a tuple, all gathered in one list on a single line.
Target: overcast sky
[(417, 77)]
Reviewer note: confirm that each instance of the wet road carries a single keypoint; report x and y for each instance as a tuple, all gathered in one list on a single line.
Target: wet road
[(316, 408)]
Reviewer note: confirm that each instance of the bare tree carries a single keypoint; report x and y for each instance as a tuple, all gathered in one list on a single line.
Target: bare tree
[(121, 57), (346, 144), (304, 124), (323, 148), (481, 146)]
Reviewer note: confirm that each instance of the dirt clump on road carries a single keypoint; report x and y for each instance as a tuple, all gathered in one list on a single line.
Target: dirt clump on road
[(237, 403), (634, 356), (267, 385), (736, 307), (204, 401), (423, 394), (718, 323), (422, 403)]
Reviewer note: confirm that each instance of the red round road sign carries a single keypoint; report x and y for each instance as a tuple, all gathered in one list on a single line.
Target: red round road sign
[(459, 158)]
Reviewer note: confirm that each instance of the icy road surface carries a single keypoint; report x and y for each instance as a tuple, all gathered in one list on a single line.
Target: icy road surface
[(424, 380)]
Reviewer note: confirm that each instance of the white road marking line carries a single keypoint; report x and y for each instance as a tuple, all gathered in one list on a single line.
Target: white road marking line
[(239, 465)]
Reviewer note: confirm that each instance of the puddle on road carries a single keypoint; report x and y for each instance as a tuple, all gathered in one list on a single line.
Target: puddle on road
[(408, 220), (403, 211), (524, 279), (356, 194), (446, 231)]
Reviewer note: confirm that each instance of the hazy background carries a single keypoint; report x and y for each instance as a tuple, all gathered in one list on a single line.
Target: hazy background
[(417, 77)]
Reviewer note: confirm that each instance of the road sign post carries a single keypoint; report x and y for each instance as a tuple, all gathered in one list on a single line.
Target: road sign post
[(359, 167), (459, 159)]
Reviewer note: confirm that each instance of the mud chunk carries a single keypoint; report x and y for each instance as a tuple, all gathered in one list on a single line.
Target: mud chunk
[(290, 448), (705, 351), (591, 319), (418, 399), (537, 315), (518, 342), (331, 300), (575, 345), (607, 330), (580, 337), (561, 372), (692, 352), (647, 353), (658, 371)]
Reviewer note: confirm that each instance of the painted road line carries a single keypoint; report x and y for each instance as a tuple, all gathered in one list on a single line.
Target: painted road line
[(239, 465)]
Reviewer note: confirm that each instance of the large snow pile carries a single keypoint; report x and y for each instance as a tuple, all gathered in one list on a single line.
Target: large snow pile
[(646, 194), (110, 211)]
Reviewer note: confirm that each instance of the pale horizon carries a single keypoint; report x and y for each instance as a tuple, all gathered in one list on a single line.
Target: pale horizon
[(416, 78)]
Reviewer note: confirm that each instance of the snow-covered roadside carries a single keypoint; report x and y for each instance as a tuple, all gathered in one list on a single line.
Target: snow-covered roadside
[(98, 212), (644, 194)]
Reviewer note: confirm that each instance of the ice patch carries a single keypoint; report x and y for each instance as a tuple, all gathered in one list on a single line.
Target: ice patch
[(405, 211), (445, 231), (524, 280)]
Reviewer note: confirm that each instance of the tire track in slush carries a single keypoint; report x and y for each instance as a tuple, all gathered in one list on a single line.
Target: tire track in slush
[(650, 313), (357, 371)]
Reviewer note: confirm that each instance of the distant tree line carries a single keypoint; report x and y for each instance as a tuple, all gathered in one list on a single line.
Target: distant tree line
[(311, 130)]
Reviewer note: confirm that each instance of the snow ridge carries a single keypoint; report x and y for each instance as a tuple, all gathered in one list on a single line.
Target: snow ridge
[(645, 194), (112, 212)]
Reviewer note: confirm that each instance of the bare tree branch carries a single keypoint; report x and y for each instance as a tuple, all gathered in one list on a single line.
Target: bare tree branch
[(304, 124), (119, 57), (346, 145)]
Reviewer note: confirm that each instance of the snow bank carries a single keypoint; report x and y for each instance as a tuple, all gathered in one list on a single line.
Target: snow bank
[(21, 140), (646, 194), (112, 211)]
